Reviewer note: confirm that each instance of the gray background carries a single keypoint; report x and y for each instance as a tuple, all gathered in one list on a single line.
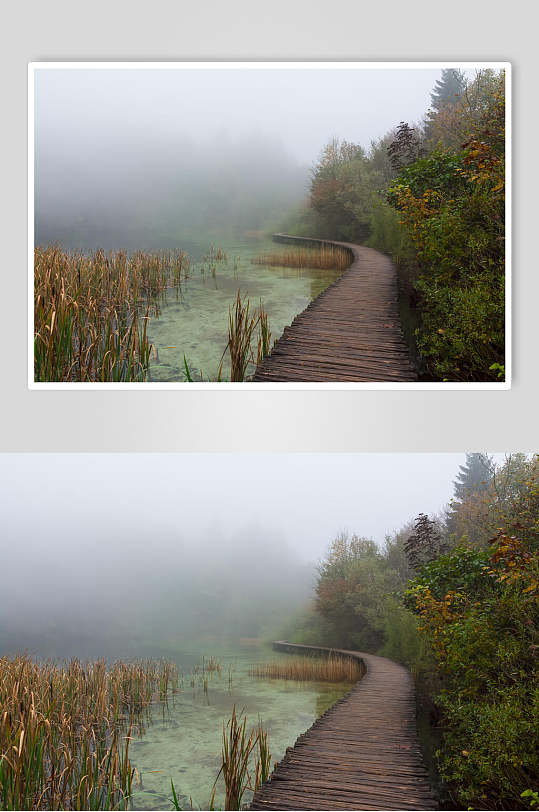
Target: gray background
[(261, 420)]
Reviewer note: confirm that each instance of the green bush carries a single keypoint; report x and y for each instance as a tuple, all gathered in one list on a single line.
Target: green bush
[(479, 609)]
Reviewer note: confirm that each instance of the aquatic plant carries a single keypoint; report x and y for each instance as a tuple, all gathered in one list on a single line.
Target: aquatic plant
[(263, 762), (241, 329), (237, 749), (319, 669), (323, 257), (211, 664), (236, 754), (216, 255), (241, 326), (264, 335), (65, 730), (91, 312)]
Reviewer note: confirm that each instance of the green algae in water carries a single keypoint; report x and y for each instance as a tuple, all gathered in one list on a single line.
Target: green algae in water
[(184, 742), (195, 323)]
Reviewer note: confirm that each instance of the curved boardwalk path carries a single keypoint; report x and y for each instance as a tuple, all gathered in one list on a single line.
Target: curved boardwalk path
[(351, 332), (363, 753)]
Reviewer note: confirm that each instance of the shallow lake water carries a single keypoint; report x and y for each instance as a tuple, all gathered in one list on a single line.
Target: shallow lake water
[(195, 323), (183, 742)]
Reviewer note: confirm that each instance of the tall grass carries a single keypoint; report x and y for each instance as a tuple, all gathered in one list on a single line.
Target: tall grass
[(263, 761), (324, 257), (319, 669), (91, 311), (65, 730), (242, 324), (236, 755), (264, 336)]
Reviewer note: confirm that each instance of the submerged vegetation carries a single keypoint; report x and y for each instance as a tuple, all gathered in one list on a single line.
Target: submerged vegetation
[(333, 668), (65, 730), (244, 325), (328, 257)]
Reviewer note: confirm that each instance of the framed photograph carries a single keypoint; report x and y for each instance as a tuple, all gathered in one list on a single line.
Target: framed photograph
[(272, 225)]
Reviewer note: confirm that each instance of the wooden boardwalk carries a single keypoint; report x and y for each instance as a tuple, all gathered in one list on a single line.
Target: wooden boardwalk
[(363, 753), (351, 332)]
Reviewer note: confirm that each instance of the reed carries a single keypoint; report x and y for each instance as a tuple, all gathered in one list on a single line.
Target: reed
[(318, 669), (324, 257), (236, 755), (211, 664), (65, 730), (216, 255), (91, 311), (263, 761), (237, 749), (242, 324), (264, 335)]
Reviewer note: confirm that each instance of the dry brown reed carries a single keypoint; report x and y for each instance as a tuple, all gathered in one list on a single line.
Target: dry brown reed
[(242, 324), (211, 664), (236, 756), (325, 257), (65, 730), (319, 669), (91, 311)]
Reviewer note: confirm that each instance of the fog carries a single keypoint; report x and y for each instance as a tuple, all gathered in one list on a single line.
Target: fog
[(137, 554), (164, 158)]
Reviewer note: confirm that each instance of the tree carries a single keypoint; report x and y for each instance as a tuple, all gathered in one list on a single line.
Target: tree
[(448, 88), (405, 147), (351, 592), (512, 489), (478, 113), (341, 191), (472, 478), (447, 93), (425, 544), (474, 475)]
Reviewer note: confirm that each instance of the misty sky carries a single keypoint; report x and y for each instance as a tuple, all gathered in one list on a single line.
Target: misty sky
[(126, 554), (120, 502), (147, 159), (301, 108)]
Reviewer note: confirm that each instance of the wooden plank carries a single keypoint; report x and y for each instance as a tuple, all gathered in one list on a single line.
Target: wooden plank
[(363, 753), (351, 332)]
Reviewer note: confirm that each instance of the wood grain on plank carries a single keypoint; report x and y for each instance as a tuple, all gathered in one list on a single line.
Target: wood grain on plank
[(363, 753), (351, 332)]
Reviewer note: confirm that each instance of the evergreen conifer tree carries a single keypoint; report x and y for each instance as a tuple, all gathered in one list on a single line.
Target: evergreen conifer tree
[(448, 88), (447, 92), (474, 475)]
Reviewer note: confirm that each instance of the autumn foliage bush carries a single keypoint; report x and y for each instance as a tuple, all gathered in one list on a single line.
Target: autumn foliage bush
[(480, 611), (456, 599), (433, 197), (452, 207)]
